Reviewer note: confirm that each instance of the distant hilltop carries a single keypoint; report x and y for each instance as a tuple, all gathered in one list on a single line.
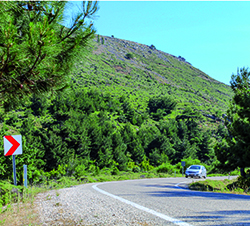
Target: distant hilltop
[(140, 71)]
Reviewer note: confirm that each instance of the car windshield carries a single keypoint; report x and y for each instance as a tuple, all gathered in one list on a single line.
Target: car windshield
[(195, 167)]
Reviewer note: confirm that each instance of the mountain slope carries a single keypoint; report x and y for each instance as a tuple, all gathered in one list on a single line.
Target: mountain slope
[(130, 107), (140, 72)]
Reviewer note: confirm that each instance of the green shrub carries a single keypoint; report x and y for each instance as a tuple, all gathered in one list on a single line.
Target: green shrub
[(200, 187), (133, 167), (145, 164), (129, 56), (79, 171), (136, 169), (7, 195), (115, 171), (94, 170), (164, 103), (165, 168), (58, 173), (243, 182), (235, 172), (73, 164)]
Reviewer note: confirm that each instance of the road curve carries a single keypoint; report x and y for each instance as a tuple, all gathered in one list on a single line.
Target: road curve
[(171, 204)]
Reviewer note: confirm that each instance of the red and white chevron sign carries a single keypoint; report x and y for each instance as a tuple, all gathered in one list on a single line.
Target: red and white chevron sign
[(12, 145)]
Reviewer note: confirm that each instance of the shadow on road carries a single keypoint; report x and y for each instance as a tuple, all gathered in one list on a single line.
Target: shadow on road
[(219, 218), (167, 192)]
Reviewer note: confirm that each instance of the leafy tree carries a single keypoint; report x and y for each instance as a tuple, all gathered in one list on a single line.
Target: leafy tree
[(234, 151), (37, 51)]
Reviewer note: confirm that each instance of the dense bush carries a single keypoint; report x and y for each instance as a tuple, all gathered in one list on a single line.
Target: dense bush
[(161, 106), (129, 56), (165, 168), (243, 183), (8, 192)]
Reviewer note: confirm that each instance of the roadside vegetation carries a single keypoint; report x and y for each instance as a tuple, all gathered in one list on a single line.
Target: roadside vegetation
[(233, 186), (123, 111), (17, 203)]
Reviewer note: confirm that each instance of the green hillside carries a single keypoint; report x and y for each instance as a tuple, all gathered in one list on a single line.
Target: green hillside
[(150, 72), (130, 107)]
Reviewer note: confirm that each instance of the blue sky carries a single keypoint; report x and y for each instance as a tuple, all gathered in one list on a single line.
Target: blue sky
[(213, 36)]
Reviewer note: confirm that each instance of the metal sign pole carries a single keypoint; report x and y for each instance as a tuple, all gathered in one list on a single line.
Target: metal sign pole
[(14, 168), (25, 176), (183, 163)]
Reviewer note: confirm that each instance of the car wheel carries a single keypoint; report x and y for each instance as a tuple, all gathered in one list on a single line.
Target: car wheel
[(186, 176)]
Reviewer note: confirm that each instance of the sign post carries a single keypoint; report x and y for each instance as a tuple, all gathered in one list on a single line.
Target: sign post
[(25, 175), (183, 164), (14, 169), (13, 146)]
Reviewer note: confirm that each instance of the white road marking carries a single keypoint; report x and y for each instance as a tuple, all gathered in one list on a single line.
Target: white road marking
[(177, 185), (145, 209)]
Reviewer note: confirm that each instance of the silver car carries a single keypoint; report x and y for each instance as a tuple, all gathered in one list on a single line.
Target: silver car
[(196, 171)]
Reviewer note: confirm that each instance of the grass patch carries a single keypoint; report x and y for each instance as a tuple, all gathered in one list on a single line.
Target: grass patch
[(223, 186)]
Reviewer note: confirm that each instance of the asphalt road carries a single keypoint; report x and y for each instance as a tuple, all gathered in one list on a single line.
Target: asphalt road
[(172, 203)]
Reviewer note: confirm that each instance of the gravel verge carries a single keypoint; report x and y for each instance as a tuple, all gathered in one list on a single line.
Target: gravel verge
[(82, 205)]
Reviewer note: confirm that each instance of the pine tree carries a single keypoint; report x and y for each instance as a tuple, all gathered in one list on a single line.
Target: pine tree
[(37, 51), (234, 151), (205, 153)]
